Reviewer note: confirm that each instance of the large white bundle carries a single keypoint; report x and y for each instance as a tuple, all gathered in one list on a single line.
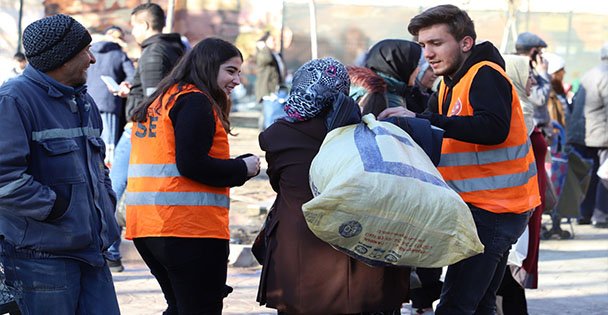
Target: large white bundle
[(379, 198)]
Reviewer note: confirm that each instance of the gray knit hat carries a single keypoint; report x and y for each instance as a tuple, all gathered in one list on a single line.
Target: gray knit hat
[(52, 41)]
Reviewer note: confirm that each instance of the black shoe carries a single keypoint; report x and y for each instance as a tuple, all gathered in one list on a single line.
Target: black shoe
[(115, 265), (583, 221)]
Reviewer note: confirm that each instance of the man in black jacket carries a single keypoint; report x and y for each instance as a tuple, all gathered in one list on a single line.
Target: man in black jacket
[(160, 52)]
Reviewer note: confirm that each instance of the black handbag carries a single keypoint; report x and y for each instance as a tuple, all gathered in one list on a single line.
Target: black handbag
[(260, 244)]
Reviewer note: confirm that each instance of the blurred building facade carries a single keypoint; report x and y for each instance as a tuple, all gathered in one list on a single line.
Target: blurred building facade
[(345, 28)]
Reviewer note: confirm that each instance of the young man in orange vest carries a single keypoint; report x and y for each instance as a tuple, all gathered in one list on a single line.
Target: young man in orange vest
[(486, 156)]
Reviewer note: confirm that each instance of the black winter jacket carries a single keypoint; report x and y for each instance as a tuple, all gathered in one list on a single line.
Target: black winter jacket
[(159, 54)]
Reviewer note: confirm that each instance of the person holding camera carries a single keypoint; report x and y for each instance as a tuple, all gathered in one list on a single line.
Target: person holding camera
[(530, 45)]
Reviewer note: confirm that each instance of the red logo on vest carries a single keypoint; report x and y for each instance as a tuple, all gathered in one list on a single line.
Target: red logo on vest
[(456, 108)]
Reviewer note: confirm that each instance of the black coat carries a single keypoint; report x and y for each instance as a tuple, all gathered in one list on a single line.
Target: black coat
[(159, 54)]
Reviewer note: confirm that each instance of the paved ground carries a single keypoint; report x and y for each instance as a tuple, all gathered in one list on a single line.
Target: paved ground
[(573, 280), (573, 273)]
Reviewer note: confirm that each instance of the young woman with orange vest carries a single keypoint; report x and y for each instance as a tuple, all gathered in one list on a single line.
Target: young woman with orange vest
[(486, 156), (180, 172)]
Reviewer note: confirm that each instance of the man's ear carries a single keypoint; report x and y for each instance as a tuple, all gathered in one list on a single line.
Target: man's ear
[(467, 43)]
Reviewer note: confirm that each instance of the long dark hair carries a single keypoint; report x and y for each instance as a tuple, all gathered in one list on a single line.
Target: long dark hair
[(200, 67)]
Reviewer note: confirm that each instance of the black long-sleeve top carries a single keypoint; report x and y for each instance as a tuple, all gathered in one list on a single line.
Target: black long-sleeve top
[(194, 126)]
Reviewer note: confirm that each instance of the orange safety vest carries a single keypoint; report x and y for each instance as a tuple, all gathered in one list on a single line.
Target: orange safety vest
[(161, 202), (499, 178)]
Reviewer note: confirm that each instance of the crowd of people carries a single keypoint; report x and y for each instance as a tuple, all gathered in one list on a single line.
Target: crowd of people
[(84, 128)]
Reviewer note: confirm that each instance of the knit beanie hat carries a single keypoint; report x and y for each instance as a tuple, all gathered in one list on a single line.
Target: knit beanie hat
[(52, 41)]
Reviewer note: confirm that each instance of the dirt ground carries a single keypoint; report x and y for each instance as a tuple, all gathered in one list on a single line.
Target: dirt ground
[(249, 202)]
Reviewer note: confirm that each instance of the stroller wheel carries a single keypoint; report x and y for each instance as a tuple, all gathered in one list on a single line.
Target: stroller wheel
[(564, 235)]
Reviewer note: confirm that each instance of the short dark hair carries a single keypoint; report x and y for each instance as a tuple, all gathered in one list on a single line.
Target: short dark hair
[(457, 20), (19, 56), (155, 17), (113, 28)]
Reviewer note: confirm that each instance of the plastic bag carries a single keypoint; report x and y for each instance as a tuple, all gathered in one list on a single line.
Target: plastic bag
[(519, 250), (602, 171), (379, 199)]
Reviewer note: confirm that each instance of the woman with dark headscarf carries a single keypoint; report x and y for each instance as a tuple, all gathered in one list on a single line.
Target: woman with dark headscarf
[(301, 273), (396, 61)]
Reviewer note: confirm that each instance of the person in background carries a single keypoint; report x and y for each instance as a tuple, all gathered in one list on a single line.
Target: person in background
[(426, 78), (485, 157), (530, 45), (558, 103), (270, 68), (516, 279), (302, 274), (396, 61), (430, 285), (112, 62), (180, 174), (592, 100), (368, 89), (20, 63), (160, 52), (56, 202)]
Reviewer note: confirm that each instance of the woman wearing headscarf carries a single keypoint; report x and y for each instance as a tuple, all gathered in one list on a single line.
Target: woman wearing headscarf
[(396, 61), (517, 278), (302, 274), (558, 102), (367, 89)]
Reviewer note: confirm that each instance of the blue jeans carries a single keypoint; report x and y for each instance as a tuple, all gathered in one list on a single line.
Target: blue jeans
[(470, 285), (110, 134), (45, 285), (118, 176)]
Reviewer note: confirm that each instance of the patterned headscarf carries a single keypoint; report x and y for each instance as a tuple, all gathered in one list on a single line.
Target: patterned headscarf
[(315, 86)]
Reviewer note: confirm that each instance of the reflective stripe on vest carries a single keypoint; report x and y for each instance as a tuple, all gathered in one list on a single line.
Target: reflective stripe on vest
[(485, 157), (177, 199), (499, 178), (153, 170), (493, 182), (65, 133)]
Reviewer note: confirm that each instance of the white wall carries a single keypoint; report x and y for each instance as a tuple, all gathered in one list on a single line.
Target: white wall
[(9, 17)]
